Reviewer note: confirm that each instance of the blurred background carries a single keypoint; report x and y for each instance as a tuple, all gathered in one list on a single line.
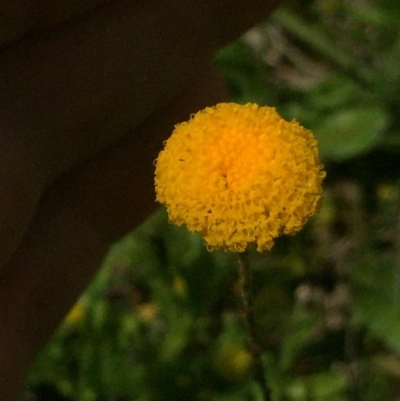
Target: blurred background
[(162, 321)]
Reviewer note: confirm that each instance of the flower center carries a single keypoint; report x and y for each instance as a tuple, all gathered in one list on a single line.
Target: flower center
[(240, 160)]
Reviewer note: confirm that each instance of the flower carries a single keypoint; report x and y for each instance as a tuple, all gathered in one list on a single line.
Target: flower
[(239, 175)]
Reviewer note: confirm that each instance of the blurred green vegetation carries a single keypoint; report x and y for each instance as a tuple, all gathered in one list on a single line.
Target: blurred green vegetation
[(163, 320)]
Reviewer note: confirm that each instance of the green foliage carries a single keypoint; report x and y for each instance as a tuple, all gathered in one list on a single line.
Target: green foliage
[(350, 132), (163, 319)]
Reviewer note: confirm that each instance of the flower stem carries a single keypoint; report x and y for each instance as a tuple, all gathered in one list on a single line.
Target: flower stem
[(245, 277)]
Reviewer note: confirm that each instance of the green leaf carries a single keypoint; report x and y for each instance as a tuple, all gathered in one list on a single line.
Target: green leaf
[(316, 37), (375, 306), (335, 92), (351, 132), (245, 73), (372, 15), (324, 386)]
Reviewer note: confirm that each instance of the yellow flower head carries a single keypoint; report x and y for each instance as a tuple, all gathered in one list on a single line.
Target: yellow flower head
[(240, 174)]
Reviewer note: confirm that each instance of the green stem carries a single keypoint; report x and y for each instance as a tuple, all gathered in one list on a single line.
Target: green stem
[(245, 277), (318, 40)]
